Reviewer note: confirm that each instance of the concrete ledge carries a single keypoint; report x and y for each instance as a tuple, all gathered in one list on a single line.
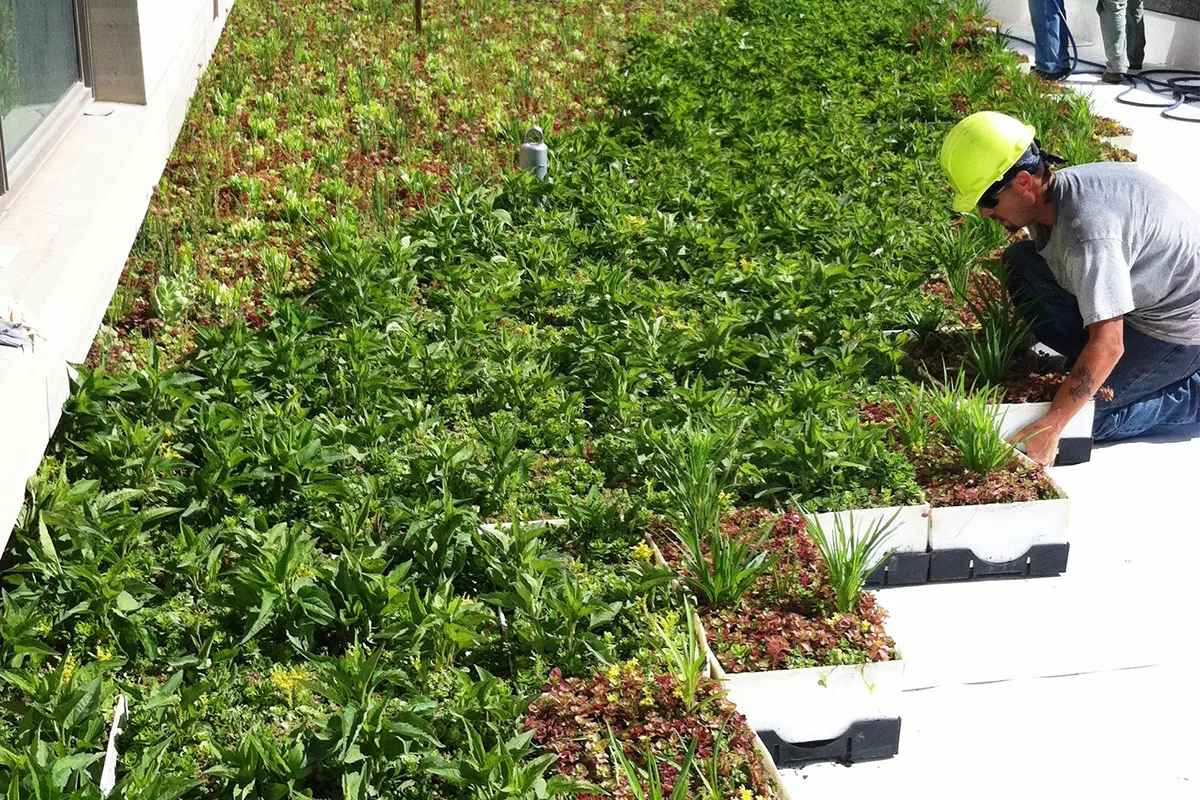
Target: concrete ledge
[(35, 384), (74, 223)]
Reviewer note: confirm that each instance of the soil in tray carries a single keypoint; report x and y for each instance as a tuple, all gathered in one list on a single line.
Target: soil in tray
[(948, 483), (788, 619)]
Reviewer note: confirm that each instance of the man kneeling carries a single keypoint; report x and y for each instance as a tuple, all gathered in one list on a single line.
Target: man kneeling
[(1110, 279)]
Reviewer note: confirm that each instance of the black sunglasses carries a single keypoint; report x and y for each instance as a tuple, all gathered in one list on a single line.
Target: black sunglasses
[(991, 198)]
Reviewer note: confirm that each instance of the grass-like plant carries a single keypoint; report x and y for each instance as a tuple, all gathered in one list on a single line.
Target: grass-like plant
[(734, 565), (913, 417), (685, 656), (1003, 332), (694, 467), (971, 420), (652, 774), (850, 557)]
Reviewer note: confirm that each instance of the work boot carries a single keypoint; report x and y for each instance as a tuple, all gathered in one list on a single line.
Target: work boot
[(1113, 77)]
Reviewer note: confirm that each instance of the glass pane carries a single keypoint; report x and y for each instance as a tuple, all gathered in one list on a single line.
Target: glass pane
[(38, 64)]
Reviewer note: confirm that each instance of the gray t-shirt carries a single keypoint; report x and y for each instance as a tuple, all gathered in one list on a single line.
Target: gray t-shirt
[(1124, 243)]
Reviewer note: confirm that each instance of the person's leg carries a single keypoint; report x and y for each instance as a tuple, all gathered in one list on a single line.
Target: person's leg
[(1135, 33), (1050, 309), (1176, 405), (1112, 30), (1152, 387), (1064, 42), (1045, 36)]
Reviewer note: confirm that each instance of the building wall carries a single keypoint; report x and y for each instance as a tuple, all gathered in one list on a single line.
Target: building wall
[(174, 32), (75, 219)]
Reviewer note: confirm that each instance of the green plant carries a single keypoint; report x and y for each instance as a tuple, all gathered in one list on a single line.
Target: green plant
[(1003, 332), (654, 788), (711, 776), (850, 558), (695, 467), (724, 574), (686, 657), (970, 420), (913, 418)]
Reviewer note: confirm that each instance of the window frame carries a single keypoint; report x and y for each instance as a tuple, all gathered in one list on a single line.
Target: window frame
[(67, 110)]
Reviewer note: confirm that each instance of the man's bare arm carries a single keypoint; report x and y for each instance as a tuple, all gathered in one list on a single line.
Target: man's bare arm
[(1084, 390), (1106, 344)]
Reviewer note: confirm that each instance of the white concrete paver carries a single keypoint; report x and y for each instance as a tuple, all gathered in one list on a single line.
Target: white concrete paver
[(1082, 685)]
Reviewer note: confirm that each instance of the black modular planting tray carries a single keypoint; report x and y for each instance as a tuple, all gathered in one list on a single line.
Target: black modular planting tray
[(867, 740), (1073, 451), (943, 566)]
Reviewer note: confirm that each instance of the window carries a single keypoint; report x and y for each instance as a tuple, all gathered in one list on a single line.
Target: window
[(39, 66)]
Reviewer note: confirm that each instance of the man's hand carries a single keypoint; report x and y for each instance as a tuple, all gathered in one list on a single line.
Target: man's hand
[(1105, 345), (1040, 439)]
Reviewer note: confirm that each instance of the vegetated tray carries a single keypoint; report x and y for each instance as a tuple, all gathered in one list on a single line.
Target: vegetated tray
[(1000, 539), (1075, 444), (847, 713)]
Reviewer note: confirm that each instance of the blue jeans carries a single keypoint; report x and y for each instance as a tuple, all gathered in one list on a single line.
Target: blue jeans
[(1155, 384), (1049, 36)]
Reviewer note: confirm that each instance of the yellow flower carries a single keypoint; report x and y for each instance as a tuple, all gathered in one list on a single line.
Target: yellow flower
[(747, 794), (304, 571), (612, 698), (103, 653), (643, 552), (290, 681), (68, 668), (614, 672)]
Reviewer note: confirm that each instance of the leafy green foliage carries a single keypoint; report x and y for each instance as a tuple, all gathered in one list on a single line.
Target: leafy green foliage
[(300, 539)]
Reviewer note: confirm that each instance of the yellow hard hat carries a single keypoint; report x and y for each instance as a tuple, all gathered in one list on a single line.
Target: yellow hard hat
[(979, 150)]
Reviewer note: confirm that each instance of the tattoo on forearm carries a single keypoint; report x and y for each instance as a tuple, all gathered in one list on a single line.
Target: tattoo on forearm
[(1082, 390)]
